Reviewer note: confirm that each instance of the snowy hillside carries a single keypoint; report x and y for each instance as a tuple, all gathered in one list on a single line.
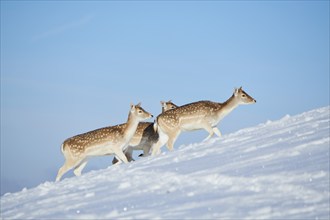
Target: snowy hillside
[(277, 170)]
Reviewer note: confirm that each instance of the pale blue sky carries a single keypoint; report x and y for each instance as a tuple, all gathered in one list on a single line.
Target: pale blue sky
[(71, 67)]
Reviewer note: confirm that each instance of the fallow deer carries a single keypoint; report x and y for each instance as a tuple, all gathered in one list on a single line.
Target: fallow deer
[(144, 136), (104, 141), (194, 116)]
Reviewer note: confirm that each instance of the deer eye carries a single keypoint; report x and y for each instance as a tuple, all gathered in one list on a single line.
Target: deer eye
[(243, 95), (140, 111)]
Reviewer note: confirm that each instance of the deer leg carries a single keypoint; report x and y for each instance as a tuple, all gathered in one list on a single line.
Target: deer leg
[(128, 153), (210, 130), (171, 140), (156, 148), (121, 156), (115, 160), (65, 168), (217, 132), (163, 138), (80, 167), (146, 149)]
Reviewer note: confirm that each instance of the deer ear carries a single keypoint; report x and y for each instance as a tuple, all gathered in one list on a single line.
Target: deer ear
[(132, 107), (139, 104), (162, 103), (235, 92), (240, 88)]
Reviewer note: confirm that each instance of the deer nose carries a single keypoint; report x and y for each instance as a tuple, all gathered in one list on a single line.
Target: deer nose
[(152, 116), (255, 101)]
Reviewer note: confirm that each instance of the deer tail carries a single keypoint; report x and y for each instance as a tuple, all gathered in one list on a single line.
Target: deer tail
[(62, 148), (155, 125)]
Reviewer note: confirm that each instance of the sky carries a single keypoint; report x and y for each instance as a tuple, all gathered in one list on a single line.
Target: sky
[(71, 67)]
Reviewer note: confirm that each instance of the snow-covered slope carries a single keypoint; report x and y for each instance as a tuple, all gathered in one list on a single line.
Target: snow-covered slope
[(276, 170)]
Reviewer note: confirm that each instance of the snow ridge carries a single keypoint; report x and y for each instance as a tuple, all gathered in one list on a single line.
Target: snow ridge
[(276, 170)]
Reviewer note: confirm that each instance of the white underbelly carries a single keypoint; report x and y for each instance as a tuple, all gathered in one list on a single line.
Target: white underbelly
[(198, 123), (100, 150), (191, 126)]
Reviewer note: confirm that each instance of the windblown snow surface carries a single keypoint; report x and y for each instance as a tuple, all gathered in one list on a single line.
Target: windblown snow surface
[(276, 170)]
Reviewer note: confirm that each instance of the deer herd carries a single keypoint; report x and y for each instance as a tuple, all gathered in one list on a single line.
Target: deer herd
[(121, 140)]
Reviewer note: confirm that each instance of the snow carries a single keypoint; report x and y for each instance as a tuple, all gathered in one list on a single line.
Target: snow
[(276, 170)]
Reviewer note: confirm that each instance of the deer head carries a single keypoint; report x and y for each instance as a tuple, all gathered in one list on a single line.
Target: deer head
[(242, 97), (138, 112), (167, 105)]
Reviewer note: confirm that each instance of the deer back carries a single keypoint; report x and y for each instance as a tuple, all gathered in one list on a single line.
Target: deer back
[(78, 144), (192, 112)]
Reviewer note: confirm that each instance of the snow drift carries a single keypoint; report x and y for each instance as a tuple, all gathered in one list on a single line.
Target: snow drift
[(276, 170)]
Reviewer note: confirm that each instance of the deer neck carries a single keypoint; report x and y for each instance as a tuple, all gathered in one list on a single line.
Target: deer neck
[(131, 126), (228, 106)]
